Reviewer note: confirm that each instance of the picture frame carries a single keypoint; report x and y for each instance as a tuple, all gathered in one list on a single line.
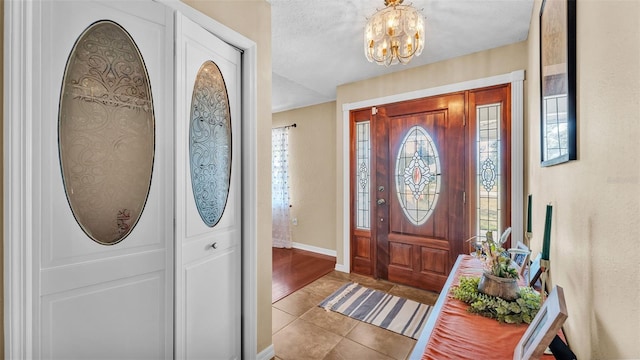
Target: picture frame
[(558, 82), (535, 271), (520, 257), (544, 327)]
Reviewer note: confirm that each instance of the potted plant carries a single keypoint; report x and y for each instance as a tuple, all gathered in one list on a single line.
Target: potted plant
[(500, 278)]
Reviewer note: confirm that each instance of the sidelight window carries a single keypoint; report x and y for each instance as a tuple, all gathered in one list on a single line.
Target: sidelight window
[(363, 175), (488, 148)]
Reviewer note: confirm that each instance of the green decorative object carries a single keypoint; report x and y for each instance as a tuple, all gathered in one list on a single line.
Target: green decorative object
[(522, 309)]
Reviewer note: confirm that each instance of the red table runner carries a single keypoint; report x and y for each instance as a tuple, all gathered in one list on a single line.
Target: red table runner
[(458, 334)]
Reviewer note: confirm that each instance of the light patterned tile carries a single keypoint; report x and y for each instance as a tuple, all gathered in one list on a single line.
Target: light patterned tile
[(303, 340), (350, 350), (280, 319), (329, 320), (325, 286), (419, 295), (384, 341), (299, 302)]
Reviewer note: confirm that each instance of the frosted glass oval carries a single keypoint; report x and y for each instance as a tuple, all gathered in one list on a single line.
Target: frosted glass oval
[(210, 143), (106, 132), (418, 175)]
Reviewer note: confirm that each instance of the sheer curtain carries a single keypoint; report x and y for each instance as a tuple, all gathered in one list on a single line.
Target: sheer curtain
[(280, 232)]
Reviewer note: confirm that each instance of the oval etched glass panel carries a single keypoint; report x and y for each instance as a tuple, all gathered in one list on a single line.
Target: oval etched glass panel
[(106, 132), (210, 143), (418, 175)]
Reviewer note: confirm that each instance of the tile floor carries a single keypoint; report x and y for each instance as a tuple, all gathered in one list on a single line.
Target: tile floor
[(302, 330)]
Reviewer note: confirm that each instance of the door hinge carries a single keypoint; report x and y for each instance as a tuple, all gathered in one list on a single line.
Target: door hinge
[(464, 120), (464, 197), (374, 110)]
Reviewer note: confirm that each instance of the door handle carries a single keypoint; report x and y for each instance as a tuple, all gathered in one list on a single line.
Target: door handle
[(381, 201), (214, 245)]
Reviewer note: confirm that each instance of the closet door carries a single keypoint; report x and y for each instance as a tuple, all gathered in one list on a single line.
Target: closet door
[(208, 195), (102, 177)]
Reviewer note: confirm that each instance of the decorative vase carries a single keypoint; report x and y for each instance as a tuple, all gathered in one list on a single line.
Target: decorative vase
[(505, 288)]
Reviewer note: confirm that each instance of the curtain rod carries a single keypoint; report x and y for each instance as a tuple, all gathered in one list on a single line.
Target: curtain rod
[(285, 127)]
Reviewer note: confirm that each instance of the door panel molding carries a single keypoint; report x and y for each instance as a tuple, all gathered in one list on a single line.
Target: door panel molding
[(20, 104), (515, 78), (208, 257)]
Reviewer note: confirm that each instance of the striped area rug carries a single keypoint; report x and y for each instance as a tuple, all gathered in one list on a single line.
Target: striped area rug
[(400, 315)]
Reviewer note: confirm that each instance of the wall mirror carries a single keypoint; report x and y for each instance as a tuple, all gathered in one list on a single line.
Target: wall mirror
[(558, 81)]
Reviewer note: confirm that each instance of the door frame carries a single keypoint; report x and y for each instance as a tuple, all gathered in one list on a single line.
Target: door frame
[(20, 87), (515, 78)]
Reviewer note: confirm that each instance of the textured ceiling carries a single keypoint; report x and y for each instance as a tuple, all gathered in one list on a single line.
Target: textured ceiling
[(317, 45)]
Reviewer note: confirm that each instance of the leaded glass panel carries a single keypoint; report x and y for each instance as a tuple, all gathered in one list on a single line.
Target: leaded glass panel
[(106, 132), (488, 144), (363, 175), (418, 175), (210, 143)]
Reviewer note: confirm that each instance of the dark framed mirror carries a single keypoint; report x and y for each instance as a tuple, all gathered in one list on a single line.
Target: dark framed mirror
[(558, 82)]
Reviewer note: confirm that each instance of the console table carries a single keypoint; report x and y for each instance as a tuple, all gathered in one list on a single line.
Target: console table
[(451, 332)]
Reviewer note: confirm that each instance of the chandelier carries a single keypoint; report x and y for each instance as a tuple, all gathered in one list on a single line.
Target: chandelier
[(394, 34)]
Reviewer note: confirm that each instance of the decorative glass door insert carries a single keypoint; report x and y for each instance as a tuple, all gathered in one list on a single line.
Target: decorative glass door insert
[(106, 132), (418, 175), (363, 175), (210, 143), (488, 149)]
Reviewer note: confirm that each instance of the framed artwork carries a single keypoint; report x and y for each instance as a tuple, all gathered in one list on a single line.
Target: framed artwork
[(520, 256), (558, 81), (544, 327)]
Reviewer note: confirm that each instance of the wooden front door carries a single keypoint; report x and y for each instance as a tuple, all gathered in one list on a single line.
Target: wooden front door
[(420, 188), (428, 174)]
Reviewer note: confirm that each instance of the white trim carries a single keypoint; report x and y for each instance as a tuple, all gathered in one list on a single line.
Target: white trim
[(250, 200), (346, 204), (18, 178), (516, 78), (342, 268), (267, 354), (439, 90), (314, 249), (517, 158)]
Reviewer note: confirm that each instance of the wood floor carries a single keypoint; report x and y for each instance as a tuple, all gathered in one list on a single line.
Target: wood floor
[(294, 268)]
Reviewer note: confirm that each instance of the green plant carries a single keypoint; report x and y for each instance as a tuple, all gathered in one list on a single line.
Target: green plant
[(522, 309), (497, 262)]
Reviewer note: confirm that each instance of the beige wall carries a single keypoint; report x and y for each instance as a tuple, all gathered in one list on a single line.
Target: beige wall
[(596, 199), (498, 61), (252, 18), (312, 173)]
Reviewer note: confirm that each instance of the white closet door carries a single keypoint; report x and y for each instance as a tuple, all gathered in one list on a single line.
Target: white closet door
[(93, 300), (208, 222)]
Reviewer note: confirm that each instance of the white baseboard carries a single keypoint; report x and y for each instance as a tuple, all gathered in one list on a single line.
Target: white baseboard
[(314, 249), (267, 354), (342, 268)]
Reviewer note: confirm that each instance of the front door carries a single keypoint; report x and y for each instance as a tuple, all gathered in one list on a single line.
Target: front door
[(419, 188), (102, 162), (427, 174), (208, 194)]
